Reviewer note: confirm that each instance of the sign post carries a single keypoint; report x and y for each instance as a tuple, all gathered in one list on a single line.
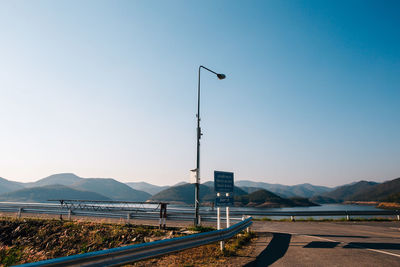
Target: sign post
[(223, 187), (227, 213)]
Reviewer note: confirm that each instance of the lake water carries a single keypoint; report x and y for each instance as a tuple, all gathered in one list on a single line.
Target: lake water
[(325, 207)]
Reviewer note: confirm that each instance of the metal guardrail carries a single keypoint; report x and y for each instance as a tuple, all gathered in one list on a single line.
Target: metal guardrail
[(128, 254), (182, 214)]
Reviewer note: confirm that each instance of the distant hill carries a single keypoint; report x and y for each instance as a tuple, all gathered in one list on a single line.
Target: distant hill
[(324, 200), (66, 179), (308, 190), (183, 194), (7, 186), (180, 183), (259, 197), (238, 191), (265, 198), (111, 189), (345, 192), (301, 190), (210, 197), (44, 193), (249, 189), (146, 187), (379, 192), (301, 202), (393, 198), (209, 183)]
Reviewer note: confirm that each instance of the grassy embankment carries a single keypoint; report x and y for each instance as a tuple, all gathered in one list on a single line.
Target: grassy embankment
[(30, 240)]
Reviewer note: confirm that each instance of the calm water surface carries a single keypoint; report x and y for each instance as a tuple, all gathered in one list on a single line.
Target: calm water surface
[(325, 207)]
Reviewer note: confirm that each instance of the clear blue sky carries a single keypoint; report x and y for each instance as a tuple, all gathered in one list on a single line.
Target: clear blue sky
[(108, 89)]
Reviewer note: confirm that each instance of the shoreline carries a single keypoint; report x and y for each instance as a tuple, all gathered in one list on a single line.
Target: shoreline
[(377, 204)]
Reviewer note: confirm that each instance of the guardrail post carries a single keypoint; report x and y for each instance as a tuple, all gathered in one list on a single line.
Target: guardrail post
[(163, 215), (20, 210), (69, 214), (218, 218), (221, 243), (227, 213), (128, 217), (247, 228), (347, 217), (227, 217), (398, 217)]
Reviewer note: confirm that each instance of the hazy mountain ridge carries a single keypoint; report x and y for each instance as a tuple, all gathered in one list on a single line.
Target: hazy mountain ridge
[(249, 189), (47, 192), (104, 188), (112, 189), (344, 192), (66, 179), (146, 187), (301, 190), (9, 186), (379, 192), (183, 194), (266, 199)]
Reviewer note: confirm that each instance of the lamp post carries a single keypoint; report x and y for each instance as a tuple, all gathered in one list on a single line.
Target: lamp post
[(199, 134)]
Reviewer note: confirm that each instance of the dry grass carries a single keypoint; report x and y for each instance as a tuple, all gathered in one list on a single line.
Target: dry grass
[(208, 255), (29, 240), (389, 205)]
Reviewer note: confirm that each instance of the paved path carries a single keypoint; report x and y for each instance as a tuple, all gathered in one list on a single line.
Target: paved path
[(328, 244)]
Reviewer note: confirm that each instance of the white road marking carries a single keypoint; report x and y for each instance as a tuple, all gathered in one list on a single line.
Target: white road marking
[(356, 246)]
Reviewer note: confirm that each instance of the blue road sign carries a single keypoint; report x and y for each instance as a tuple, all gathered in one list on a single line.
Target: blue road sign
[(223, 201), (223, 182)]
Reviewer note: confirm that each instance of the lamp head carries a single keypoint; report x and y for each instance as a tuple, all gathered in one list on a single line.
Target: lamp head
[(221, 76)]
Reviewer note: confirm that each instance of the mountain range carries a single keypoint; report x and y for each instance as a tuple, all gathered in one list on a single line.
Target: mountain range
[(265, 199), (71, 186), (50, 192), (345, 192), (300, 190), (8, 186), (146, 187), (183, 194), (362, 191)]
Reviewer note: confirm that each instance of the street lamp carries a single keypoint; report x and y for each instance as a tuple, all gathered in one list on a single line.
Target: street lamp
[(199, 134)]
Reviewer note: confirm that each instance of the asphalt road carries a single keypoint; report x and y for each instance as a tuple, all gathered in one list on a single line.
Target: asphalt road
[(328, 244)]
